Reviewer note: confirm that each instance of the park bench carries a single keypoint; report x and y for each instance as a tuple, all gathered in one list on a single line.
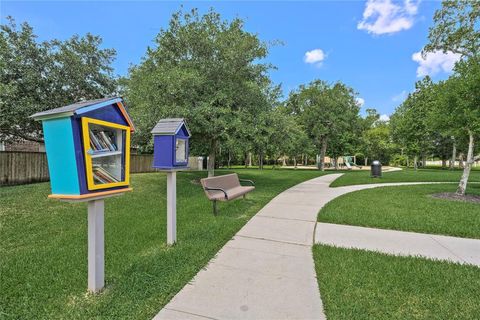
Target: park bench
[(225, 188)]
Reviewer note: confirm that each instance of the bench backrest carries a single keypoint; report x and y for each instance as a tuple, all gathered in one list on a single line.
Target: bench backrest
[(226, 182)]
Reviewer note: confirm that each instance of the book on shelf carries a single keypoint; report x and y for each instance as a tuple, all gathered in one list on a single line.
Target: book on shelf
[(102, 175), (101, 141)]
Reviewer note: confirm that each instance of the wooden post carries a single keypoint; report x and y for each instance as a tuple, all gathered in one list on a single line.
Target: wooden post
[(96, 245), (171, 207)]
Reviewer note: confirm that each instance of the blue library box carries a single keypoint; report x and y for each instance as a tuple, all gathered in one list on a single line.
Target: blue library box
[(170, 144), (88, 148)]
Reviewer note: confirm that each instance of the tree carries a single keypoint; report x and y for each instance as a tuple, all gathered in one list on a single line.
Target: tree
[(457, 29), (377, 143), (461, 109), (204, 69), (36, 76), (409, 123), (327, 113)]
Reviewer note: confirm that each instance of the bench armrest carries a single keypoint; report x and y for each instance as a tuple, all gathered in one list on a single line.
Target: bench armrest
[(217, 189), (245, 180)]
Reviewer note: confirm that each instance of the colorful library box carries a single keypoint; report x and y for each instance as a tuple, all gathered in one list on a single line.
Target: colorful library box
[(170, 144), (88, 148)]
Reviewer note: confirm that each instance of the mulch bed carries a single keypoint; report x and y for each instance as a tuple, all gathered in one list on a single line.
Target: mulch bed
[(456, 197)]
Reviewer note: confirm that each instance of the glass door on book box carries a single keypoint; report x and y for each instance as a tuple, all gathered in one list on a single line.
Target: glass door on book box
[(107, 153)]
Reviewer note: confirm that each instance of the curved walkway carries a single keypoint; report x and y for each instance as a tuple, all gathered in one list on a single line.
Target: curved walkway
[(267, 270)]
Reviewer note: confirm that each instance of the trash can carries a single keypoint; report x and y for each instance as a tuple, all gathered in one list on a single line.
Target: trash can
[(376, 169), (205, 162)]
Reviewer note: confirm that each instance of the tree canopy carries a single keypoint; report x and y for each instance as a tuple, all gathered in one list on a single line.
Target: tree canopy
[(36, 76), (204, 69)]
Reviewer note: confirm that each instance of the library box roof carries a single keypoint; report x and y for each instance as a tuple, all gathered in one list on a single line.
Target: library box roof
[(82, 107), (170, 127)]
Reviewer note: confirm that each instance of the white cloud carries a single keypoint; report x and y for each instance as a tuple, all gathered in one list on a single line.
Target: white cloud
[(400, 97), (435, 62), (384, 117), (360, 101), (315, 56), (388, 16)]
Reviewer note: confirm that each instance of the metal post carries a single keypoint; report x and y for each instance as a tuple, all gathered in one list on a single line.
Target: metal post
[(171, 207), (96, 245)]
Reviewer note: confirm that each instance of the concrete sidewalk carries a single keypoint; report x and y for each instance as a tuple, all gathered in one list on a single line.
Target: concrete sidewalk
[(460, 250), (266, 271)]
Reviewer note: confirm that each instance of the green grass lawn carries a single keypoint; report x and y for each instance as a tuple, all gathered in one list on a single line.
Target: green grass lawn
[(43, 263), (409, 208), (356, 284), (406, 175)]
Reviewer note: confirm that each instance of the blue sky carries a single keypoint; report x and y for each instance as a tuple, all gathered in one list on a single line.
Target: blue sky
[(371, 54)]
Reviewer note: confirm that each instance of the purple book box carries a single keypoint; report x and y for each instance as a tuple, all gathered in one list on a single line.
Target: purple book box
[(170, 144)]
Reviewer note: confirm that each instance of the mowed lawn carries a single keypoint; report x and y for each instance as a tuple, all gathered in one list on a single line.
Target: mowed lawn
[(407, 208), (405, 175), (356, 284), (43, 263)]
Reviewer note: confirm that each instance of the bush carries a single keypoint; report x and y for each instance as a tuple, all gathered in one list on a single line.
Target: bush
[(399, 160), (360, 158)]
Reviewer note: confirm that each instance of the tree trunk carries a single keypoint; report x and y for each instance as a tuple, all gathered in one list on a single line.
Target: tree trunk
[(306, 160), (462, 186), (249, 159), (295, 162), (460, 162), (408, 162), (454, 155), (246, 159), (323, 151), (444, 163), (366, 161), (424, 161), (415, 162), (336, 163), (229, 159), (260, 161), (211, 158), (284, 163)]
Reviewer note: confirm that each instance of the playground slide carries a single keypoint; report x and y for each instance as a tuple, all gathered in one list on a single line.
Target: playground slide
[(349, 167)]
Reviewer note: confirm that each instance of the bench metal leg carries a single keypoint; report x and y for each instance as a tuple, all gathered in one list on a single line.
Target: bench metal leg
[(214, 207)]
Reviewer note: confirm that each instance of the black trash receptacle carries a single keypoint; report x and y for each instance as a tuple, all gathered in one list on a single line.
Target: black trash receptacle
[(376, 169), (205, 162)]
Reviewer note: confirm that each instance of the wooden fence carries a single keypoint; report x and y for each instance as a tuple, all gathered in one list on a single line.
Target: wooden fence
[(27, 167)]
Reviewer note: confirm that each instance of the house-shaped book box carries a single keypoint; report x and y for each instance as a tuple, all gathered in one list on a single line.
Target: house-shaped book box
[(88, 148), (170, 144)]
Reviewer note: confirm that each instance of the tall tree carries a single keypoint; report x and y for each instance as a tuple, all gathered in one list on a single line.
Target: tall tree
[(457, 29), (202, 68), (462, 95), (326, 111), (36, 76), (409, 123)]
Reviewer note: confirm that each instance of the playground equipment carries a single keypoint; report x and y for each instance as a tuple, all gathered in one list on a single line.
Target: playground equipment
[(350, 162)]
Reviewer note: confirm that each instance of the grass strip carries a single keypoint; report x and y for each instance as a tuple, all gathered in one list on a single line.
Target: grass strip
[(407, 208), (356, 284), (43, 250)]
